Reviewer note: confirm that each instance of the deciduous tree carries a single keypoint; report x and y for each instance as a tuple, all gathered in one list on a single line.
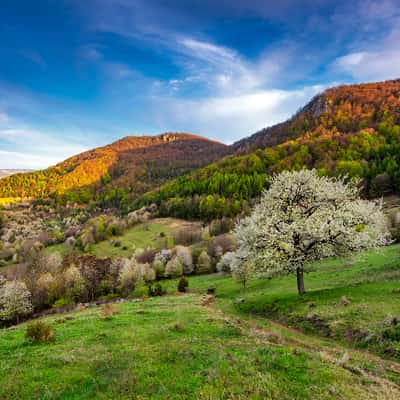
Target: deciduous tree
[(303, 218)]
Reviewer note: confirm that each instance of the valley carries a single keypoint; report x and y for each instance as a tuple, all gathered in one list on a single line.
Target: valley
[(178, 267)]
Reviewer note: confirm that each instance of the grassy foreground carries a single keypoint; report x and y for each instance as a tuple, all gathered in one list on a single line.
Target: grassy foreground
[(171, 348), (180, 347), (354, 301)]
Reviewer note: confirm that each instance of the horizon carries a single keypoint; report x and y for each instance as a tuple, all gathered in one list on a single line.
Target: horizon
[(77, 76)]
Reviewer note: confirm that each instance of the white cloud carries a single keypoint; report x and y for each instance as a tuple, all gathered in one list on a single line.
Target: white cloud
[(210, 52), (371, 66), (22, 147), (233, 117), (374, 51)]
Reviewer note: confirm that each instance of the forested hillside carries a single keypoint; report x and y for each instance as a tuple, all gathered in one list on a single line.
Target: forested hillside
[(352, 130), (345, 109), (117, 172)]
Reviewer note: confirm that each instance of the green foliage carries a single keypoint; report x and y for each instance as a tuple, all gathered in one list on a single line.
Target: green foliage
[(111, 176), (39, 331), (141, 291), (156, 290), (183, 284), (62, 302)]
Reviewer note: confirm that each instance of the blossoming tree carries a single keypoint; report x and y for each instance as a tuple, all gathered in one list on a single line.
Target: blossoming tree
[(303, 218)]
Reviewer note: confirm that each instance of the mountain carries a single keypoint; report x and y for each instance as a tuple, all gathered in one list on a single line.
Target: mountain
[(8, 172), (127, 167), (347, 109), (353, 130)]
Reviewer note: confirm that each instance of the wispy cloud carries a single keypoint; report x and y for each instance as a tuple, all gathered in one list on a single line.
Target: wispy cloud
[(231, 118), (371, 65)]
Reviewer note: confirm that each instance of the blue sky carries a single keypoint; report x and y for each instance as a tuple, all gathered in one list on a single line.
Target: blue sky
[(79, 74)]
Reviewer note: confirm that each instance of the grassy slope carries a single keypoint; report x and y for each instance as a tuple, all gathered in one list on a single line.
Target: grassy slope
[(219, 352), (141, 236), (170, 348), (371, 282)]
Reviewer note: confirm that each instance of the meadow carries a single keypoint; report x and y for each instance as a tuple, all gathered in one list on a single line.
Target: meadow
[(262, 343)]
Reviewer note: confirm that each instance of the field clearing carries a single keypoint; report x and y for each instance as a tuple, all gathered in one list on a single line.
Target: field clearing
[(155, 234)]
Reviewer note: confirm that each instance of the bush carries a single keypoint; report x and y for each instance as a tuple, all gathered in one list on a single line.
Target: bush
[(183, 284), (204, 265), (221, 245), (159, 268), (141, 291), (62, 302), (184, 255), (173, 268), (74, 283), (157, 290), (392, 333), (128, 275), (224, 264), (39, 331)]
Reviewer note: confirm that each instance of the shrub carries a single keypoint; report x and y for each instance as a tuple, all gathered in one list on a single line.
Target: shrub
[(173, 268), (164, 256), (39, 331), (128, 275), (183, 284), (141, 291), (157, 290), (392, 333), (74, 283), (224, 264), (204, 265), (184, 255), (46, 289), (159, 268), (15, 301), (148, 273), (205, 234), (62, 302), (53, 261), (221, 245)]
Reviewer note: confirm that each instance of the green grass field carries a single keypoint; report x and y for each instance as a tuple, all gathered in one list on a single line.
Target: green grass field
[(371, 283), (264, 343), (156, 234)]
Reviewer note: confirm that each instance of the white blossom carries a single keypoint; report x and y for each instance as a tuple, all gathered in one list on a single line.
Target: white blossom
[(304, 218), (15, 301)]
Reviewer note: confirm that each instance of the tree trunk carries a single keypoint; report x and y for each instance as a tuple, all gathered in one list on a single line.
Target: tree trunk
[(300, 281)]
